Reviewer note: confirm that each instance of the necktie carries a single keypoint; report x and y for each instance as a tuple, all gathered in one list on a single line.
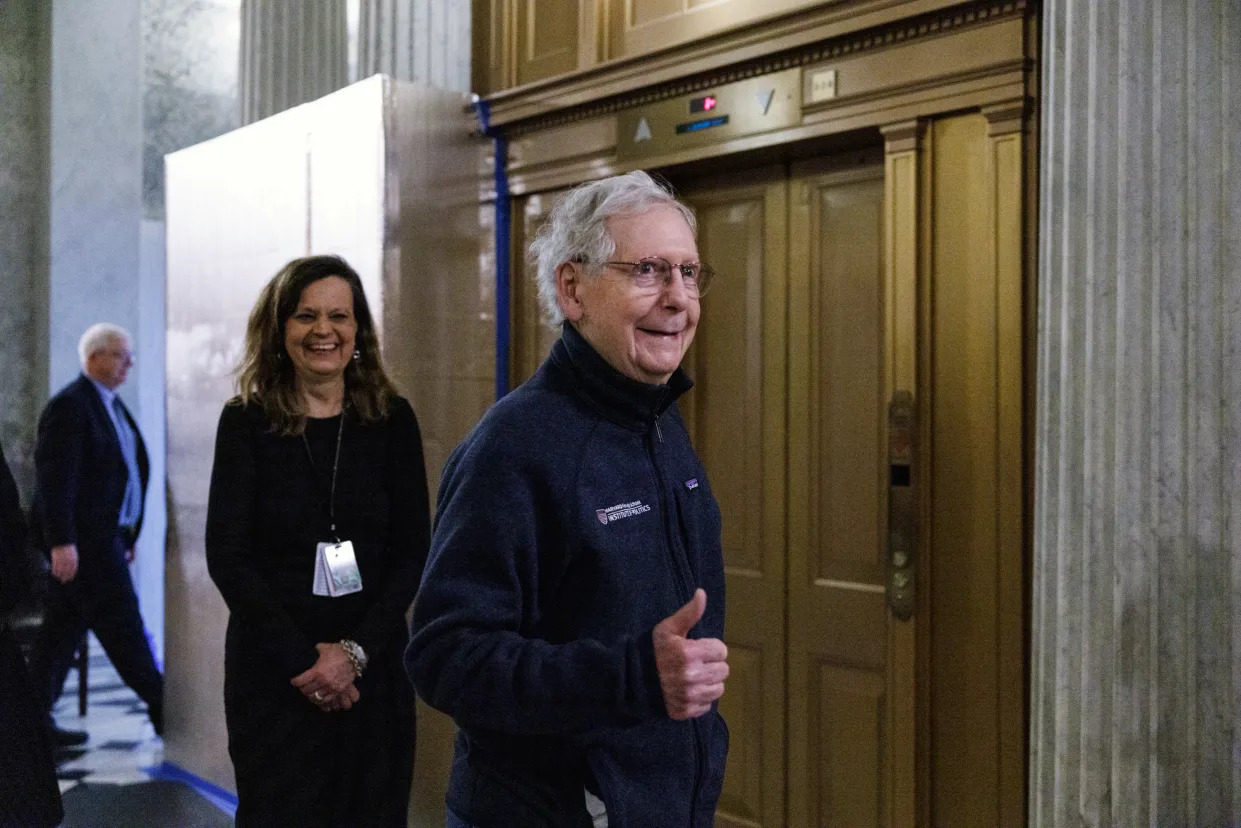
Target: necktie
[(131, 506)]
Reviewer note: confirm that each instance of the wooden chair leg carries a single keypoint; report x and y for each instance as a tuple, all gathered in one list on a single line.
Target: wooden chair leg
[(83, 660)]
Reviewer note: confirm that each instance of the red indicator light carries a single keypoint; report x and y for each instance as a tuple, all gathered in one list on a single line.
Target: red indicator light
[(703, 104)]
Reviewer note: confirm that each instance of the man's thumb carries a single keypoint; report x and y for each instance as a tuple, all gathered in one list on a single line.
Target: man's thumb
[(684, 619)]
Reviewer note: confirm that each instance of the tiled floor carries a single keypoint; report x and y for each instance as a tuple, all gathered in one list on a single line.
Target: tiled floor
[(122, 741), (118, 778)]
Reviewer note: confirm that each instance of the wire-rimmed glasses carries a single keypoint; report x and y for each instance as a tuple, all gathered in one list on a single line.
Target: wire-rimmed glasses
[(653, 273)]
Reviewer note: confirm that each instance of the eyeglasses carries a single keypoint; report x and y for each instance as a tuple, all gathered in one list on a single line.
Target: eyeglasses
[(653, 274), (120, 356)]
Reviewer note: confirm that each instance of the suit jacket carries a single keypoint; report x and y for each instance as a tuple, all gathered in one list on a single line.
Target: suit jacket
[(80, 473)]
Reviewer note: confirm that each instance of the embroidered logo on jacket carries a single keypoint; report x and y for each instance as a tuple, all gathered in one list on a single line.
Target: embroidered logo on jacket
[(692, 483), (621, 510)]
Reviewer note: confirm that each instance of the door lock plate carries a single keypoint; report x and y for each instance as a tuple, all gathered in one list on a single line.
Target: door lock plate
[(902, 504)]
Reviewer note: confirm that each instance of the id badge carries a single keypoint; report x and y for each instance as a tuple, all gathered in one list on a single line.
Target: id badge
[(320, 585), (342, 569), (336, 570)]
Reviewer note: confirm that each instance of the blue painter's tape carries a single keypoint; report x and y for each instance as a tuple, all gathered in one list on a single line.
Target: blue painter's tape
[(217, 796), (502, 242)]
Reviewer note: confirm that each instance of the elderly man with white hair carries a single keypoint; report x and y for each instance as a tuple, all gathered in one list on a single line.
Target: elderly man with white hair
[(570, 615), (91, 474)]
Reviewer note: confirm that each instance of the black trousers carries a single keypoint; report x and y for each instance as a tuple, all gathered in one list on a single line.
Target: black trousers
[(28, 793), (101, 599)]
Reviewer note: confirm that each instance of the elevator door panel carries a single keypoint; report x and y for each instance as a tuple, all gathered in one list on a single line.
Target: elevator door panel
[(840, 736), (842, 280), (735, 413), (788, 416), (530, 337)]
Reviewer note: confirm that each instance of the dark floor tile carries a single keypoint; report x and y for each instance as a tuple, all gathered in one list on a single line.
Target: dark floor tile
[(120, 744), (104, 688)]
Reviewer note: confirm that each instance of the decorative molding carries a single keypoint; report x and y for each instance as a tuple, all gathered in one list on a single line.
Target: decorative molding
[(904, 31), (904, 136), (1006, 118)]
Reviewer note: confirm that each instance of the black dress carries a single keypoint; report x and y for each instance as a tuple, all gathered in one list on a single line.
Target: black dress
[(267, 510), (29, 795)]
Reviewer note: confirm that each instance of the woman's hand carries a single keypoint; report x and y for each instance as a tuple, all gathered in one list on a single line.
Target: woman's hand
[(329, 683), (341, 701)]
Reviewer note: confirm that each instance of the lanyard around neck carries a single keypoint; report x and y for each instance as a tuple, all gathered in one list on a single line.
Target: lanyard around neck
[(331, 500)]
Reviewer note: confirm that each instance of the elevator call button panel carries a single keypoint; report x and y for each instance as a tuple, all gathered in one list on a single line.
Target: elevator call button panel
[(734, 110)]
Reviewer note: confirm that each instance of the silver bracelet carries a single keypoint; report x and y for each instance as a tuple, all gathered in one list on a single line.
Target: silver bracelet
[(357, 656)]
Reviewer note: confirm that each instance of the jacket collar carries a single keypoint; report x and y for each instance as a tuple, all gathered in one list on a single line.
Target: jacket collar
[(621, 399), (93, 392), (106, 394)]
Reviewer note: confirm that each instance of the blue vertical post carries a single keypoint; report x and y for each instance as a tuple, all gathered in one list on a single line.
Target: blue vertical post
[(502, 221)]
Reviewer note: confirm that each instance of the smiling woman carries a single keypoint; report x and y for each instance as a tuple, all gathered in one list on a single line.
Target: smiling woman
[(317, 530), (319, 340), (310, 340)]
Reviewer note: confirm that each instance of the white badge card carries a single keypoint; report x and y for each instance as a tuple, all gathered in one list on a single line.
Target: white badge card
[(320, 586), (342, 569)]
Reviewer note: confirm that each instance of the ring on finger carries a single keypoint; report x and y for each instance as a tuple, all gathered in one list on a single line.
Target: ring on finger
[(317, 696)]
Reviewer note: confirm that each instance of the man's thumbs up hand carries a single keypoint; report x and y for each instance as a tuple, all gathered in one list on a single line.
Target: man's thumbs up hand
[(691, 671)]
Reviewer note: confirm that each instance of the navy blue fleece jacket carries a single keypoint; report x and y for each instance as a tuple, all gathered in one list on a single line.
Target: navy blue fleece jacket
[(572, 520)]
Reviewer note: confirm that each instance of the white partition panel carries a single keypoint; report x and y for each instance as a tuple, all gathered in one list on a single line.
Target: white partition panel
[(384, 174)]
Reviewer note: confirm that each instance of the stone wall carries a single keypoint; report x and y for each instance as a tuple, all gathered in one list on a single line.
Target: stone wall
[(24, 28)]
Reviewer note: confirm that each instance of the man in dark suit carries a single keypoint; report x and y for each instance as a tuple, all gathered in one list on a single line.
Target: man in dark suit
[(90, 483)]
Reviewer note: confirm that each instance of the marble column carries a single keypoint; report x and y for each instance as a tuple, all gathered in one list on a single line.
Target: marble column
[(24, 40), (1136, 625), (416, 40), (96, 182), (291, 52)]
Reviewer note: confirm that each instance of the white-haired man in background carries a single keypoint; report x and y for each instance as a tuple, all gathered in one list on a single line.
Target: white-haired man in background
[(91, 475)]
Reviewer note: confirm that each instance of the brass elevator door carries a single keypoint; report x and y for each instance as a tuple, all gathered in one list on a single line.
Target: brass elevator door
[(788, 413), (735, 414), (844, 739), (845, 281), (789, 416)]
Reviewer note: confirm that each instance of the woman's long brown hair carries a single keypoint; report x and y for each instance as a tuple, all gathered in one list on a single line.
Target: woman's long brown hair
[(266, 376)]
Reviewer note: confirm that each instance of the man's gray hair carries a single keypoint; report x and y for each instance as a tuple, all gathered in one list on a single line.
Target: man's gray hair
[(577, 231), (98, 337)]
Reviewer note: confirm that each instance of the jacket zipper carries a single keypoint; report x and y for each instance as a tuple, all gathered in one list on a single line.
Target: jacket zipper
[(699, 751), (683, 588)]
